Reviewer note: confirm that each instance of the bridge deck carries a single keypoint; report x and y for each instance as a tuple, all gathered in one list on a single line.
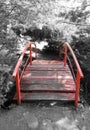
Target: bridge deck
[(47, 80)]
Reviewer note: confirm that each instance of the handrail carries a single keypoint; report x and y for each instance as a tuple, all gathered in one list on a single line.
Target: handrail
[(71, 67), (79, 74), (19, 62), (16, 71), (68, 47), (21, 58)]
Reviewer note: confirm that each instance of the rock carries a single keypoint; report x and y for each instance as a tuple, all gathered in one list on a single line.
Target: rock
[(46, 125), (31, 120), (65, 124), (1, 46), (53, 103), (41, 45), (4, 52), (84, 128), (5, 68)]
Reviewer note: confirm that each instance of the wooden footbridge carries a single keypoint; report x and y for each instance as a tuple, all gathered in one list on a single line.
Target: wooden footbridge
[(54, 79)]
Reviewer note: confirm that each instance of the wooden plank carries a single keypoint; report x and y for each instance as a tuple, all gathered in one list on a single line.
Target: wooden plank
[(47, 62), (47, 73), (55, 86), (47, 67), (46, 77), (48, 81), (27, 97), (48, 96)]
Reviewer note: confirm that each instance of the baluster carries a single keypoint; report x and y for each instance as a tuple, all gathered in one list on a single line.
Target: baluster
[(18, 88), (77, 88), (30, 54), (65, 55)]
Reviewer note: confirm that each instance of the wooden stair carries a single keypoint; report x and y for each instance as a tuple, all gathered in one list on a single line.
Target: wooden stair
[(47, 80)]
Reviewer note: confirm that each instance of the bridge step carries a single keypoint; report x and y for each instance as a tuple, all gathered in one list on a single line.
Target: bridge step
[(48, 87), (26, 97), (47, 65), (48, 62), (47, 81)]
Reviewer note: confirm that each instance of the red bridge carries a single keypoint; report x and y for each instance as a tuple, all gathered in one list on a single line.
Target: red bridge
[(47, 79)]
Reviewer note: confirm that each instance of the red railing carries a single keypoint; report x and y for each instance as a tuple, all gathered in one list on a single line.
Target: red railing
[(16, 74), (77, 77)]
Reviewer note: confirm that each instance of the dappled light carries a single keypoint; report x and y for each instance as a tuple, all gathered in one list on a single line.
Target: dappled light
[(66, 124)]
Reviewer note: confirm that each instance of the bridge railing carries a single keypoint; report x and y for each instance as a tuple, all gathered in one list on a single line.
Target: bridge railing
[(76, 70), (18, 72)]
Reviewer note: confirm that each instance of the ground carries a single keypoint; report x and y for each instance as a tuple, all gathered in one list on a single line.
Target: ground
[(45, 116)]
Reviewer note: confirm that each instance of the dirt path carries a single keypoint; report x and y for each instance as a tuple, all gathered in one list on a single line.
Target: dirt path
[(45, 116)]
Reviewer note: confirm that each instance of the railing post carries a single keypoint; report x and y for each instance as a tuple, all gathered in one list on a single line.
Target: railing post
[(35, 52), (30, 54), (65, 55), (77, 88), (18, 88)]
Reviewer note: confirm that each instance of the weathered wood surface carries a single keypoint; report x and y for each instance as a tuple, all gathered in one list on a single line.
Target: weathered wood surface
[(47, 80)]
